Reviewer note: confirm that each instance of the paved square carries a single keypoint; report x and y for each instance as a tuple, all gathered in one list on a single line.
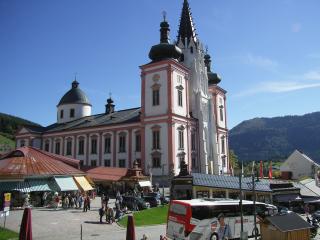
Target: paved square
[(59, 224)]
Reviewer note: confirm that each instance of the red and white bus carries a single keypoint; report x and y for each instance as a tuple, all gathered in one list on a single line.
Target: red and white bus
[(184, 215)]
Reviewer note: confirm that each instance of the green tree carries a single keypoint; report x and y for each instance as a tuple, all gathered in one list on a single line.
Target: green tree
[(234, 161)]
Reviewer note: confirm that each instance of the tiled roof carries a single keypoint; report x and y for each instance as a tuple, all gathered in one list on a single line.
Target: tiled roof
[(228, 182), (288, 222), (30, 162), (107, 173), (119, 117)]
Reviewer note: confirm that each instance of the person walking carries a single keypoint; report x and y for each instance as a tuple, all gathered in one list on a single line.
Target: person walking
[(101, 213), (85, 204), (110, 215), (88, 202)]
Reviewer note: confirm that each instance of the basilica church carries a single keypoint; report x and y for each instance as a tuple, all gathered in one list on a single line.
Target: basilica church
[(182, 117)]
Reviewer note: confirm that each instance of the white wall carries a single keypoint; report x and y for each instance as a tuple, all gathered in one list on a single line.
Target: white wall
[(163, 145), (299, 165), (108, 156), (220, 102), (123, 155), (176, 108), (176, 144), (80, 111), (162, 108)]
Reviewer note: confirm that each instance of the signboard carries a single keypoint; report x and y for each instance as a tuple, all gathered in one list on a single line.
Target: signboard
[(7, 200)]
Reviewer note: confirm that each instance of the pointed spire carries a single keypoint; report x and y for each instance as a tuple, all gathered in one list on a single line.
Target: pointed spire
[(186, 28)]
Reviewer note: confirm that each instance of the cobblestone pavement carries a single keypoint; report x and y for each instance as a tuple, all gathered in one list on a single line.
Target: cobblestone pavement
[(61, 224)]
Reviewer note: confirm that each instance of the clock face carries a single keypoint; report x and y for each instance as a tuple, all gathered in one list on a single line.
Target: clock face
[(156, 77)]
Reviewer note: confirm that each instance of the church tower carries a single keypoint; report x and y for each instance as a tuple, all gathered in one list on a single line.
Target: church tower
[(200, 99), (73, 105), (165, 110)]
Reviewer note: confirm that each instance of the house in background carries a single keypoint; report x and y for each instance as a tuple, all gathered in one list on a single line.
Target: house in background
[(298, 165)]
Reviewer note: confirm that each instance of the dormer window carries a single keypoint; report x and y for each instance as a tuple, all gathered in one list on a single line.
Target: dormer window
[(72, 113)]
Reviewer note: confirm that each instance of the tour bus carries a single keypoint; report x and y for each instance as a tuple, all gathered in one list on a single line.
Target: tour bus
[(184, 215)]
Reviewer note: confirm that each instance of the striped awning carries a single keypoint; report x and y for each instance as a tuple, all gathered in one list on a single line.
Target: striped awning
[(66, 184), (83, 183), (20, 186), (41, 185)]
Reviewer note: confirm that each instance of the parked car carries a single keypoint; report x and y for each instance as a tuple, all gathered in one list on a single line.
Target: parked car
[(154, 202), (135, 203), (316, 215), (165, 199)]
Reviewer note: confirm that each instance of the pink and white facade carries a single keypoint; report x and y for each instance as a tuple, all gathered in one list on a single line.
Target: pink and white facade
[(182, 117)]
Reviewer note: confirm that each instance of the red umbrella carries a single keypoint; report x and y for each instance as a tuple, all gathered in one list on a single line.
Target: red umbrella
[(26, 226), (131, 235)]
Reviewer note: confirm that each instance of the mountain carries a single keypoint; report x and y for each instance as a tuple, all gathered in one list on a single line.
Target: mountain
[(9, 125), (276, 138)]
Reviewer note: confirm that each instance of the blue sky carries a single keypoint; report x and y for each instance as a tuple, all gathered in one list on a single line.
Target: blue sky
[(267, 52)]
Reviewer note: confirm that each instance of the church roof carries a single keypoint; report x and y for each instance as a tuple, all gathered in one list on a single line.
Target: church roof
[(119, 117), (75, 96), (186, 27)]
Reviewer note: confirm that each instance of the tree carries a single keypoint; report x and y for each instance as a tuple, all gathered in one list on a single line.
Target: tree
[(234, 161)]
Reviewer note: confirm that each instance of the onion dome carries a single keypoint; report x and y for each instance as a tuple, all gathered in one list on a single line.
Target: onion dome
[(75, 96), (213, 78), (164, 50)]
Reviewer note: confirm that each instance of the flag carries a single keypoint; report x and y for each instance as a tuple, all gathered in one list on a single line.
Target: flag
[(252, 170), (270, 170), (261, 169)]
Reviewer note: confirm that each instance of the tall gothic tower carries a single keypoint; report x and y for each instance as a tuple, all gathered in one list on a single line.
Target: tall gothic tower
[(203, 100)]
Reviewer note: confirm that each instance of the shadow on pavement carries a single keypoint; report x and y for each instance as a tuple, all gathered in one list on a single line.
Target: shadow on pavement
[(95, 222)]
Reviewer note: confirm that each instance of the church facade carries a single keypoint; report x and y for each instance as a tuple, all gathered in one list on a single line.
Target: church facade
[(182, 116)]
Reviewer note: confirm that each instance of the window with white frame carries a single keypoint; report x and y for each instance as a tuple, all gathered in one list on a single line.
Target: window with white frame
[(180, 95), (156, 161), (81, 146), (138, 142), (69, 147), (122, 163), (94, 145), (46, 146), (107, 144), (122, 142), (181, 137), (156, 139), (223, 143), (193, 141), (107, 163), (221, 109), (93, 163), (155, 97), (57, 147)]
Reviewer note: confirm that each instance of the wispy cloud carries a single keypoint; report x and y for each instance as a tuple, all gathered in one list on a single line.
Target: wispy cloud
[(296, 27), (259, 61), (312, 75), (310, 79)]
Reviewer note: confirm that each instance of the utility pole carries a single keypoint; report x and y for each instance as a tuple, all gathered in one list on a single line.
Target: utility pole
[(254, 208), (241, 210)]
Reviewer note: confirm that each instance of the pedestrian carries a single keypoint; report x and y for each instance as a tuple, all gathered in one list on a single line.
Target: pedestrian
[(101, 213), (110, 215), (107, 199), (85, 204), (163, 237), (306, 209), (88, 202), (102, 199), (144, 237), (224, 231), (80, 199), (56, 200)]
